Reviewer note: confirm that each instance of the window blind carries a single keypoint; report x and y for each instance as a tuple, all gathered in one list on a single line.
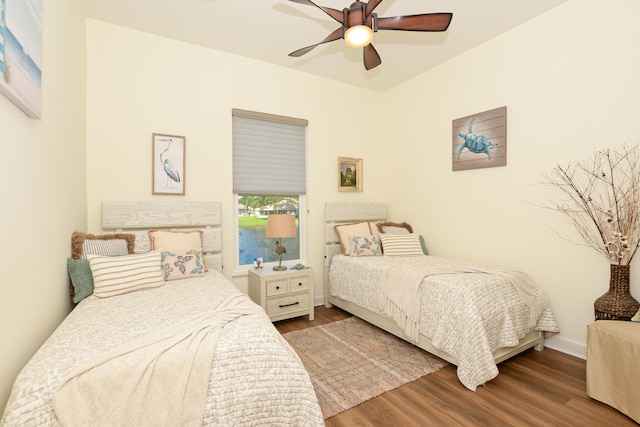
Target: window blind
[(269, 154)]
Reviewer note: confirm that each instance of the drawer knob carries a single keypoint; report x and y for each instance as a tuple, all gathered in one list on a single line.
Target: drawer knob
[(277, 287), (299, 283)]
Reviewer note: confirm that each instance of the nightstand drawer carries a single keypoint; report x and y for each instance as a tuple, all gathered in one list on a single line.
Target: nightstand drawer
[(282, 294), (277, 287), (297, 284), (288, 304)]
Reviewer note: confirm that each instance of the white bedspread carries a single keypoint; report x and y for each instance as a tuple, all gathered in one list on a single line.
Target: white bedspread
[(256, 378), (467, 315)]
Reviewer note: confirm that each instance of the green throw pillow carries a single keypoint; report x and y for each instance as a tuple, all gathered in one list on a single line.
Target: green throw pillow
[(424, 245), (81, 278)]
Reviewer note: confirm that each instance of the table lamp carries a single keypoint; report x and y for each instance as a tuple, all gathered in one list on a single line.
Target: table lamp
[(280, 226)]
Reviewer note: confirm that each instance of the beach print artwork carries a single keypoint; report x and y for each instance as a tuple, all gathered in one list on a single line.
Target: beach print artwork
[(21, 54), (480, 140)]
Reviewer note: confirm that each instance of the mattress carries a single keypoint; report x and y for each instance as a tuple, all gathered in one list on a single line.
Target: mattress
[(467, 315), (256, 378)]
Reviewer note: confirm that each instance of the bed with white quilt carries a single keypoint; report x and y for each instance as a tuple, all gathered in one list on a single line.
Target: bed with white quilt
[(176, 343), (473, 316)]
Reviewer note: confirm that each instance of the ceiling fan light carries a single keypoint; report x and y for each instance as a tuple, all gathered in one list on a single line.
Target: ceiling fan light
[(358, 36)]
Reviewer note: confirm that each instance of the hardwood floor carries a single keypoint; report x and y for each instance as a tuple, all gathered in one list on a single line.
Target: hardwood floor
[(533, 389)]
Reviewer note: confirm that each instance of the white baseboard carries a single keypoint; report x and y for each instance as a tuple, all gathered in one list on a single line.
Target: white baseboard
[(568, 346), (561, 344)]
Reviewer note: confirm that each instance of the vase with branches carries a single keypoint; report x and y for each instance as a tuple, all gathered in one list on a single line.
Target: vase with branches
[(602, 200)]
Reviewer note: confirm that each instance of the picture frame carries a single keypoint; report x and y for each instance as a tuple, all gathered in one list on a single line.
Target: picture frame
[(21, 54), (349, 174), (480, 140), (168, 164)]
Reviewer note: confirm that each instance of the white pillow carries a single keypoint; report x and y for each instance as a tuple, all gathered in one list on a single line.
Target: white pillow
[(127, 273), (346, 231), (177, 240), (401, 244)]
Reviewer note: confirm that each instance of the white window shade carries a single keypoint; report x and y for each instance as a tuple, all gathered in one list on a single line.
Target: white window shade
[(269, 154)]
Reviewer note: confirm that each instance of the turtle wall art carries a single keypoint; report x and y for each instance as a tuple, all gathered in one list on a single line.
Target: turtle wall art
[(480, 140)]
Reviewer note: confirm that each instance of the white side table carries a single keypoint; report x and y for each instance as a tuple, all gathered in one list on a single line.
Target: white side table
[(282, 294)]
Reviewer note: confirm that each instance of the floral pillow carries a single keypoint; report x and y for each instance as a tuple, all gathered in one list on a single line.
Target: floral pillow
[(365, 246), (345, 231), (177, 241), (182, 264)]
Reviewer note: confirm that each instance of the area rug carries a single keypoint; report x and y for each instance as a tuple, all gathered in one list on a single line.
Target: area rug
[(351, 361)]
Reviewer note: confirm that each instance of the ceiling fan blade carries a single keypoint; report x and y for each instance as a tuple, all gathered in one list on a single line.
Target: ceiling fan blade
[(371, 6), (424, 22), (371, 57), (337, 34), (335, 14)]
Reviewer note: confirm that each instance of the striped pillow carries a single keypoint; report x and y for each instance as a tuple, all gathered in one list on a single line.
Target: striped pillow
[(401, 244), (127, 273), (104, 247)]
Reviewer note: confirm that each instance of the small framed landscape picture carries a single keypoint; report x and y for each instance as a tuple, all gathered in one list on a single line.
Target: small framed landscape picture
[(350, 170), (168, 164)]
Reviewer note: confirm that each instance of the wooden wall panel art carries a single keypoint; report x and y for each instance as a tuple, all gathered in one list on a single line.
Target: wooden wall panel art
[(480, 140)]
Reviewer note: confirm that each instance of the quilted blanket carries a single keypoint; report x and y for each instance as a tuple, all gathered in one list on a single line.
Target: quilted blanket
[(254, 377), (467, 315)]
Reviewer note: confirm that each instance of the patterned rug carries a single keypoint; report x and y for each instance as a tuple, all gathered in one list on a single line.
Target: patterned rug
[(351, 361)]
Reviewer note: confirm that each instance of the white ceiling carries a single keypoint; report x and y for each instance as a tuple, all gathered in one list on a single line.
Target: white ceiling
[(268, 30)]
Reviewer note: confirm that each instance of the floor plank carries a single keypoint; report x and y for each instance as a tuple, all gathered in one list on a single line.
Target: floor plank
[(546, 388)]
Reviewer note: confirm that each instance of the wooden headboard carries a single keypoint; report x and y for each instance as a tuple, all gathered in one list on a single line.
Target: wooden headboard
[(139, 217), (343, 213)]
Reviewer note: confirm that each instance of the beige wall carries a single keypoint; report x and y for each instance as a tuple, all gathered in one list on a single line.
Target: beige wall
[(43, 193), (568, 87), (140, 83), (569, 80)]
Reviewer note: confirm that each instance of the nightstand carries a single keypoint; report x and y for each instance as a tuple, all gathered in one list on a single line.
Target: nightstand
[(282, 294)]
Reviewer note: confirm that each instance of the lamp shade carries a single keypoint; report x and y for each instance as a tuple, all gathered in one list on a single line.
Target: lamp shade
[(281, 225)]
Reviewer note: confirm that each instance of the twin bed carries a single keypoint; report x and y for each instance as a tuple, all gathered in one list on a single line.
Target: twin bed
[(470, 315), (146, 357), (133, 358)]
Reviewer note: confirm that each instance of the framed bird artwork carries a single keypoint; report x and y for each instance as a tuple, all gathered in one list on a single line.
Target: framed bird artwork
[(168, 164)]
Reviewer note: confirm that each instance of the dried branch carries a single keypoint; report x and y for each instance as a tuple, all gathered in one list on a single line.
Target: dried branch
[(603, 201)]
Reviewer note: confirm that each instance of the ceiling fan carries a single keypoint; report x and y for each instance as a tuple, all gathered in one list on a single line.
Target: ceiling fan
[(358, 23)]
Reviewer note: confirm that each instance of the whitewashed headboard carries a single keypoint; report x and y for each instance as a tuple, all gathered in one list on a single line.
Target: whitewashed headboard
[(138, 217), (345, 212)]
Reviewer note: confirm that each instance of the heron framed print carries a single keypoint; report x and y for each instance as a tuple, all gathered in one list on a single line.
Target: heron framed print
[(168, 164), (350, 170), (21, 54)]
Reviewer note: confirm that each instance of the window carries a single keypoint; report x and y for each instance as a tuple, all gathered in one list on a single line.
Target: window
[(269, 176)]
